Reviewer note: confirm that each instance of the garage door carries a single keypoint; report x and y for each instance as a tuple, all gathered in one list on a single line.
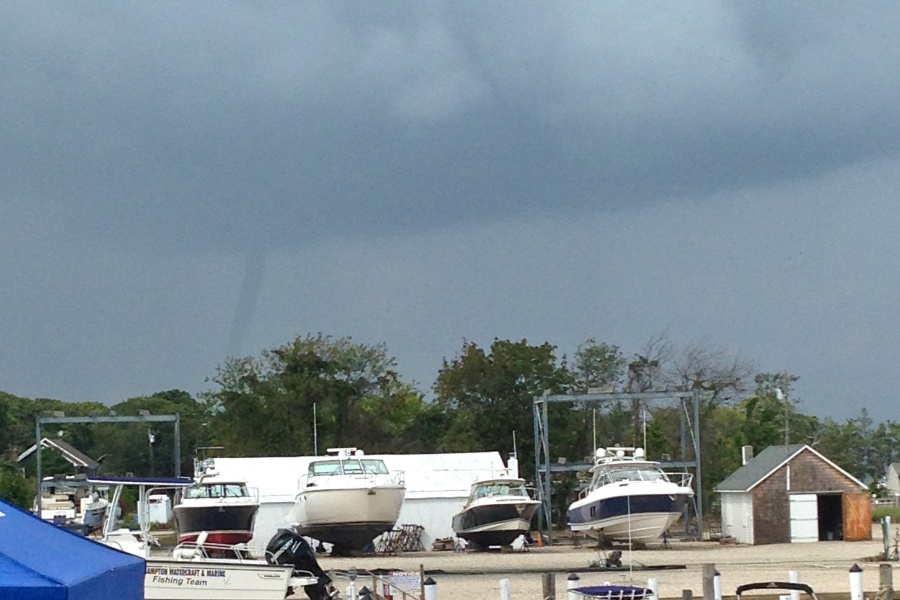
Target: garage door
[(804, 518)]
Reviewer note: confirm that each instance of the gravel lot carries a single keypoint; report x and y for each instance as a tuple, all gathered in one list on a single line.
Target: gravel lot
[(477, 575)]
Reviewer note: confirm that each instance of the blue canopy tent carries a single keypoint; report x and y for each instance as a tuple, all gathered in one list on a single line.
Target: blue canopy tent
[(40, 561)]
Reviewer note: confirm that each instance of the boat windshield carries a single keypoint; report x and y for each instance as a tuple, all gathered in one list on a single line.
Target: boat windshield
[(324, 467), (217, 490), (606, 476), (499, 489), (368, 466), (374, 466)]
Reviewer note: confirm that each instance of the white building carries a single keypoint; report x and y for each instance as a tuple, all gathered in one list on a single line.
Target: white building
[(437, 486)]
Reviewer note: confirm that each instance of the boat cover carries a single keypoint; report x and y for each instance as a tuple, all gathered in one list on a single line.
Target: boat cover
[(613, 592), (40, 561)]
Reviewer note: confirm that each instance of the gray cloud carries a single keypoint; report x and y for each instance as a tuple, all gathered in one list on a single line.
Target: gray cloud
[(420, 172), (206, 125)]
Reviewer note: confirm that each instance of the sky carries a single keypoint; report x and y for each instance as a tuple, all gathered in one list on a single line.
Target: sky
[(183, 182)]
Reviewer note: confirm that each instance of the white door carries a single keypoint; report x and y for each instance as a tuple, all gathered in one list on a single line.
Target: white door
[(737, 517), (745, 514), (804, 518)]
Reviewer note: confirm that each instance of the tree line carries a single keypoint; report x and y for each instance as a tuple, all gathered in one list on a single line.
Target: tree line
[(317, 392)]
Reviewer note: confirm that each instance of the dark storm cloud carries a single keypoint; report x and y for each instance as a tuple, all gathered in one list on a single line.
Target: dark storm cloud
[(215, 123)]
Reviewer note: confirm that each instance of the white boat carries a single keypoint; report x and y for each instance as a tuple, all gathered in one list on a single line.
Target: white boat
[(222, 507), (347, 500), (629, 498), (190, 573), (497, 512), (56, 507), (73, 502)]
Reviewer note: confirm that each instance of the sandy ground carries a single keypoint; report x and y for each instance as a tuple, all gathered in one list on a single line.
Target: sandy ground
[(476, 575)]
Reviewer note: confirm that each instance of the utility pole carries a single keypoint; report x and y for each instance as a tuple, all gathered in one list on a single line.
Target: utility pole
[(779, 395), (151, 439)]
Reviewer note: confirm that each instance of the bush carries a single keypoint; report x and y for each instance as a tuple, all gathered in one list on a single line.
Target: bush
[(14, 487), (880, 512)]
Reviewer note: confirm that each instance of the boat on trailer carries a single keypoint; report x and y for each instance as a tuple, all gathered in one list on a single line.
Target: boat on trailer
[(629, 498), (347, 499), (498, 511), (225, 508)]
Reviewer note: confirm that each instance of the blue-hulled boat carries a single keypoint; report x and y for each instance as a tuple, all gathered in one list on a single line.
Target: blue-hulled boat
[(629, 498)]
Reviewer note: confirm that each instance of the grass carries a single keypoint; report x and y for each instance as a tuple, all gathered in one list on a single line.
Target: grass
[(880, 512)]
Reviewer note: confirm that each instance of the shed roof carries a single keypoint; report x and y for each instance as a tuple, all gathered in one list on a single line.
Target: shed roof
[(767, 462), (68, 451)]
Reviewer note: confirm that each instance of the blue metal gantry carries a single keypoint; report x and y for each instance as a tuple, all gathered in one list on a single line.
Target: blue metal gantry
[(544, 469)]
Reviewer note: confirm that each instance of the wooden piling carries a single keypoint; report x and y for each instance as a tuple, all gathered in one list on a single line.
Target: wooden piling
[(885, 581), (548, 583), (709, 574)]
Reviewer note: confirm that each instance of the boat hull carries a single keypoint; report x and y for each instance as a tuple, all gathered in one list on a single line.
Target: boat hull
[(349, 518), (639, 517), (225, 524), (495, 524), (170, 579)]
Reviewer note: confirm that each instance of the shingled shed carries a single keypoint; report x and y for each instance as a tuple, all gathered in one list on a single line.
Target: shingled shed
[(797, 486)]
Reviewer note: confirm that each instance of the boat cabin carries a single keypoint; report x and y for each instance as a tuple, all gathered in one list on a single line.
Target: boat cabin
[(212, 489), (348, 461), (209, 483), (618, 464), (499, 487), (347, 466)]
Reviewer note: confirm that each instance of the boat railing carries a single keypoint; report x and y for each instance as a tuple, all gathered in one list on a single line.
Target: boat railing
[(681, 478), (207, 550), (391, 478), (399, 590), (398, 477)]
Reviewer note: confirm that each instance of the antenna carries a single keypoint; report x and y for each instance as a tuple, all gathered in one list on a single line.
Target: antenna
[(315, 433), (516, 454)]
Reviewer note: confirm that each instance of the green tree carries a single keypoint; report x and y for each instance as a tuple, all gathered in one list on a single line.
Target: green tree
[(311, 394), (885, 448), (5, 423), (597, 365), (849, 446), (127, 447), (14, 487), (489, 396)]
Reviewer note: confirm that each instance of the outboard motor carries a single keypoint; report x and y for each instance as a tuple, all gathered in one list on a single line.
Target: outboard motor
[(287, 547)]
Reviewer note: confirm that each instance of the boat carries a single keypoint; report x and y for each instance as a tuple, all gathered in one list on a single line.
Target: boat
[(56, 507), (201, 570), (347, 499), (222, 507), (629, 498), (772, 588), (71, 501), (497, 512)]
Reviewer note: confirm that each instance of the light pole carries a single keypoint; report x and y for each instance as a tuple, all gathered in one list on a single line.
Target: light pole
[(779, 395), (151, 438)]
